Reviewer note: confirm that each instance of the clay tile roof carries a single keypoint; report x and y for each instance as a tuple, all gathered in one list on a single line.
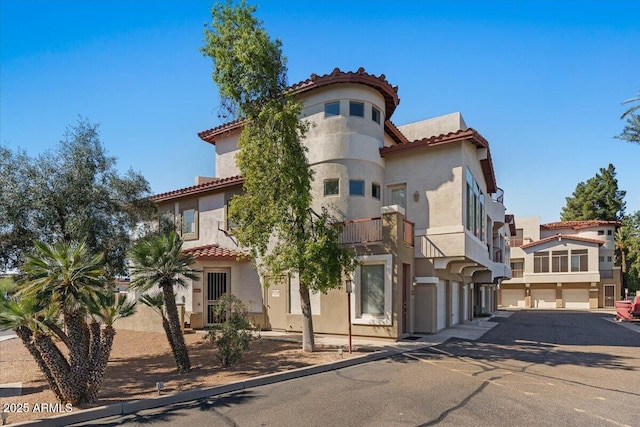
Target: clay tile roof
[(562, 236), (395, 133), (197, 189), (379, 83), (578, 225), (469, 134), (214, 251)]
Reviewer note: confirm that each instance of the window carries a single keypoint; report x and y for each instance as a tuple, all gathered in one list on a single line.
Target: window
[(541, 262), (609, 232), (189, 224), (579, 260), (398, 197), (375, 190), (375, 115), (372, 289), (331, 187), (609, 259), (356, 109), (475, 207), (517, 268), (600, 232), (373, 293), (356, 187), (517, 240), (601, 259), (560, 261), (332, 109)]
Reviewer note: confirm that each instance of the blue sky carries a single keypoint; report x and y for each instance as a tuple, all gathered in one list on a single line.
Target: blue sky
[(541, 80)]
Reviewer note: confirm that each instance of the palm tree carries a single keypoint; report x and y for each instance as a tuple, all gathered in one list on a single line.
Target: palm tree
[(68, 280), (25, 316), (631, 131), (158, 261)]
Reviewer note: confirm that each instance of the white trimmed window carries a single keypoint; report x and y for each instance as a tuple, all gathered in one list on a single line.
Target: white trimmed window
[(475, 207), (398, 196), (189, 226), (373, 284)]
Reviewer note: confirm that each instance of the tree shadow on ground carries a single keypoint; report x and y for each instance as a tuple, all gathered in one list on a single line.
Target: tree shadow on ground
[(176, 414), (538, 353)]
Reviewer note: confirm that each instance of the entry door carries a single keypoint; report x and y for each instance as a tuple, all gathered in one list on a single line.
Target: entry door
[(609, 295), (441, 305), (217, 285), (455, 303)]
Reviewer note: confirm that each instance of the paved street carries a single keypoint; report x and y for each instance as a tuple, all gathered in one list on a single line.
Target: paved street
[(535, 368)]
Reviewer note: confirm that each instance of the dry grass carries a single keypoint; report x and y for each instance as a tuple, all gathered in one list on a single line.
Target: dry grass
[(140, 359)]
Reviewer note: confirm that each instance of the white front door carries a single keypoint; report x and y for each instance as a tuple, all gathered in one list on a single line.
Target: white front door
[(455, 303)]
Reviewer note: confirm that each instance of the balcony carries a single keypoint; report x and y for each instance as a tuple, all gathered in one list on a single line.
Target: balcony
[(365, 230)]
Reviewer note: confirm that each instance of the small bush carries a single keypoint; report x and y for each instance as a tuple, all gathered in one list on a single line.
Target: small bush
[(233, 335)]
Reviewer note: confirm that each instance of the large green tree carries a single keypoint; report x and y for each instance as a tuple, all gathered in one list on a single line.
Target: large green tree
[(157, 260), (274, 213), (65, 281), (631, 131), (71, 193), (597, 198), (628, 250)]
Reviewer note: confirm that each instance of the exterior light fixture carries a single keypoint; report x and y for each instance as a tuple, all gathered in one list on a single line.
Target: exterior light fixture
[(416, 196)]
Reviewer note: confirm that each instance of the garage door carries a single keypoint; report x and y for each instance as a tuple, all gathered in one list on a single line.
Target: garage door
[(441, 308), (576, 298), (513, 298), (543, 298), (455, 303)]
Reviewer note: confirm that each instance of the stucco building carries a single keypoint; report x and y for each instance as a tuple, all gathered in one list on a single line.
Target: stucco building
[(562, 265), (422, 208)]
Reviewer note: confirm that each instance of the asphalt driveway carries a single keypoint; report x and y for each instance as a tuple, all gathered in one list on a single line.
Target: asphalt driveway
[(535, 368)]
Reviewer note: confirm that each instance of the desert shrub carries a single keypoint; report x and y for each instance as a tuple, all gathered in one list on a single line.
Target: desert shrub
[(233, 335)]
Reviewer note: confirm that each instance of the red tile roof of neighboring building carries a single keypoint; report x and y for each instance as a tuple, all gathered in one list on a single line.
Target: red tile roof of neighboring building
[(469, 134), (197, 189), (214, 251), (560, 237), (379, 83), (578, 225)]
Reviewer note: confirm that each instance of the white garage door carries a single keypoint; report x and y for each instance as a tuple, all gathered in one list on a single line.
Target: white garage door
[(513, 298), (543, 298), (441, 308), (455, 303), (576, 298)]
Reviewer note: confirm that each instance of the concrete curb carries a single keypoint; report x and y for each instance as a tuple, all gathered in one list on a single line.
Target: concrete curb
[(134, 406)]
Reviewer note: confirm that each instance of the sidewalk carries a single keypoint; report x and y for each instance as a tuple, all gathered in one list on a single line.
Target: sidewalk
[(380, 349)]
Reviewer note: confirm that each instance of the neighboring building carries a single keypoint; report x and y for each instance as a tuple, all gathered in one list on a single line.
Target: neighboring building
[(562, 265), (420, 201)]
